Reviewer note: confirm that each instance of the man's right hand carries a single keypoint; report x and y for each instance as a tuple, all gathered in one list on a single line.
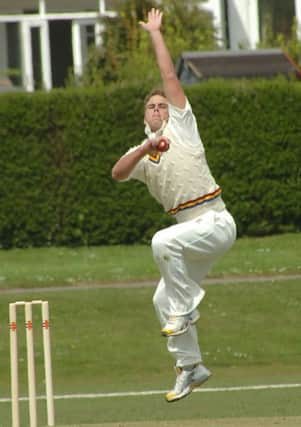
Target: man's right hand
[(125, 165), (152, 146)]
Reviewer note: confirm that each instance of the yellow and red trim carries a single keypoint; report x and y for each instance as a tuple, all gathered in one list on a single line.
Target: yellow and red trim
[(155, 157), (196, 202)]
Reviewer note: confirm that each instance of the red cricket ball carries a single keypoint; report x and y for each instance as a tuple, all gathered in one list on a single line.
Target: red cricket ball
[(163, 145)]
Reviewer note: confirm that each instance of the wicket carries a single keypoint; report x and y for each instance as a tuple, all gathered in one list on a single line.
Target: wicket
[(30, 362)]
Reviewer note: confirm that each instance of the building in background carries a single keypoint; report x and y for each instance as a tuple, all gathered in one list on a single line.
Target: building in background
[(241, 24), (41, 40), (193, 67)]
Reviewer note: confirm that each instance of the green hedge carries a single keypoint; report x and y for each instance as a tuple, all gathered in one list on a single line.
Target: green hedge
[(58, 148)]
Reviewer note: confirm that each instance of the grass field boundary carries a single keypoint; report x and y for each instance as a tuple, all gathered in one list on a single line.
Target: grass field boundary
[(154, 392), (149, 283)]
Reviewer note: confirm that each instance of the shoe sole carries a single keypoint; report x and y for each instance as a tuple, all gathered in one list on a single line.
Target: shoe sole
[(191, 388)]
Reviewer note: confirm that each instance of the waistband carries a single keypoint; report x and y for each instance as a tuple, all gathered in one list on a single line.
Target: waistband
[(196, 202), (216, 205)]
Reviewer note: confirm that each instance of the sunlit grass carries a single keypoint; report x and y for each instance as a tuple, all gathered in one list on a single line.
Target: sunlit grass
[(69, 266), (108, 340)]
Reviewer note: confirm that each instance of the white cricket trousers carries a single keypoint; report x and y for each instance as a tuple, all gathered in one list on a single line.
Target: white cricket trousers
[(184, 254)]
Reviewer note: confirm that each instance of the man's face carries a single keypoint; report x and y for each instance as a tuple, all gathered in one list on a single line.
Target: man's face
[(156, 112)]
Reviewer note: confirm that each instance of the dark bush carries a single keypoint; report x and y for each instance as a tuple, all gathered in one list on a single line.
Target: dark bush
[(57, 150)]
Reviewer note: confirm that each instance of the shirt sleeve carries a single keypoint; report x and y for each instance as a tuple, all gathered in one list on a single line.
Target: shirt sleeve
[(183, 121), (139, 171)]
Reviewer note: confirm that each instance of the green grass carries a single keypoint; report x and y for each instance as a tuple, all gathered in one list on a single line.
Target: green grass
[(108, 340), (64, 266), (199, 406)]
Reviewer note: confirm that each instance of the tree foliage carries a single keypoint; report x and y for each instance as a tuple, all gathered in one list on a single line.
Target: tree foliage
[(58, 148), (126, 53)]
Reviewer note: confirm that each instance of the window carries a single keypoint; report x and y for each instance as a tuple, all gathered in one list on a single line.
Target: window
[(14, 52), (276, 16)]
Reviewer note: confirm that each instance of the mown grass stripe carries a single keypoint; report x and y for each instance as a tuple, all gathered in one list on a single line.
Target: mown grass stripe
[(154, 392)]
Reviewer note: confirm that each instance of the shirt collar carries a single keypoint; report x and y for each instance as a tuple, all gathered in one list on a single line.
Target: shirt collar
[(158, 132)]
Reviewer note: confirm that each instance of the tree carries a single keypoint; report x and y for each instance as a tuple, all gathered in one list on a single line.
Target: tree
[(126, 54)]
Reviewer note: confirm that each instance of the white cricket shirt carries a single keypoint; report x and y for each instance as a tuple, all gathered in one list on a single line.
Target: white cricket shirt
[(180, 178)]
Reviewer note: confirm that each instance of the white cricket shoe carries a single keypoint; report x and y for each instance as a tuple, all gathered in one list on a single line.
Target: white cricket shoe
[(188, 378), (176, 325)]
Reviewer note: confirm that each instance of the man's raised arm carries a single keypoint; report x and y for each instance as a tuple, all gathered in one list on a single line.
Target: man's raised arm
[(171, 85)]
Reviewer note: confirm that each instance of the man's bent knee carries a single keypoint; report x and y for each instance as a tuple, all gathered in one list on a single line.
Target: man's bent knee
[(159, 246)]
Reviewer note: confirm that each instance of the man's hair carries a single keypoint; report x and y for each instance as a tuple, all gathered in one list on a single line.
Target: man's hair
[(156, 91)]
